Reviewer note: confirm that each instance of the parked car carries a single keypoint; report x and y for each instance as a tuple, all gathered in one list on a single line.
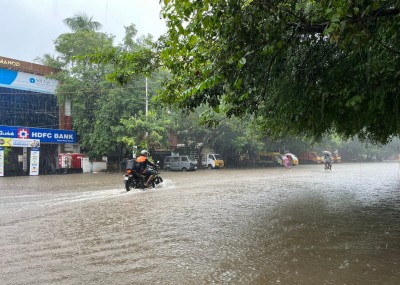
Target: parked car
[(181, 163)]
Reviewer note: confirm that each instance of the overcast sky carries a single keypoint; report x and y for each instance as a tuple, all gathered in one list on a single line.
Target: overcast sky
[(29, 27)]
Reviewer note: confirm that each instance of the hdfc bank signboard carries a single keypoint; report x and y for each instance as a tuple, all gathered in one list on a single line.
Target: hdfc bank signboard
[(43, 135)]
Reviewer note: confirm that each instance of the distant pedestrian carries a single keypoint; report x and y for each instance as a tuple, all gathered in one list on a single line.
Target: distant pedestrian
[(328, 161), (287, 162)]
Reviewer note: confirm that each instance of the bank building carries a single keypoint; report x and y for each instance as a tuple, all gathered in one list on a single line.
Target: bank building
[(34, 128)]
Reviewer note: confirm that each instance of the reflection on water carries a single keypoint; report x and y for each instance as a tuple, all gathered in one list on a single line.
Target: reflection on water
[(260, 226)]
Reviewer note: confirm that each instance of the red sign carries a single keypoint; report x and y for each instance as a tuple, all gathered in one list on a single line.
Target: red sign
[(23, 133)]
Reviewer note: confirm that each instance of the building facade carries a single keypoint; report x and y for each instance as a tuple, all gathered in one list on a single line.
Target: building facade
[(34, 129)]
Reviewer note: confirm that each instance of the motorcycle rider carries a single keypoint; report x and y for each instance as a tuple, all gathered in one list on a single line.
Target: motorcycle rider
[(143, 169)]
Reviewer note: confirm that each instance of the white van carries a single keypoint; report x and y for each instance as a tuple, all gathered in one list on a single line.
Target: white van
[(180, 163)]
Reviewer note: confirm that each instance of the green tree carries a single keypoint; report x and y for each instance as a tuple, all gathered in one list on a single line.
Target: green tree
[(100, 108), (304, 68), (230, 137), (84, 39), (144, 131), (192, 132), (81, 22)]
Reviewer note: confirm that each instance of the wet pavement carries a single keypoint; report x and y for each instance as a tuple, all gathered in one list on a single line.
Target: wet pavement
[(253, 226)]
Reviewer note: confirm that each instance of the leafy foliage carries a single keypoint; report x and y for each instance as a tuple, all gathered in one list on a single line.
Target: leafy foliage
[(144, 131), (82, 22), (102, 111), (303, 68), (135, 57)]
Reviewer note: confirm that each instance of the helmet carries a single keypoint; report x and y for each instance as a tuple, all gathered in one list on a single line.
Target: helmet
[(144, 152)]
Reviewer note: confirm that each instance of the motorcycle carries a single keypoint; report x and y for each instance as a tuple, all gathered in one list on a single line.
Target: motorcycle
[(135, 180)]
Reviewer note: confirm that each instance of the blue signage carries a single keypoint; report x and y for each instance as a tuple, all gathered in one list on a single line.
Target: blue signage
[(43, 135), (7, 77)]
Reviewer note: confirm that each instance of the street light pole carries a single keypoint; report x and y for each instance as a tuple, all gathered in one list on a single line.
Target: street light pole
[(147, 99), (147, 105)]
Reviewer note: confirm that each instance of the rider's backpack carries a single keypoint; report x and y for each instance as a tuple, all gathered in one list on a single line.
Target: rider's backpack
[(131, 164)]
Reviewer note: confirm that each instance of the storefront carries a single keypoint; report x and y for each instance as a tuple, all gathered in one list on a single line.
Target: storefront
[(33, 127), (21, 147)]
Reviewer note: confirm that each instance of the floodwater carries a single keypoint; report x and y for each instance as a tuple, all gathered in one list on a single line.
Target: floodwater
[(253, 226)]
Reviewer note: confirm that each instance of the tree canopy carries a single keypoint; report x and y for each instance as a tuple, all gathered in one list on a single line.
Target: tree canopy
[(82, 22), (108, 117), (301, 67)]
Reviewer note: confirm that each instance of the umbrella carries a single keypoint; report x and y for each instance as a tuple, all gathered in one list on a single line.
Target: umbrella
[(326, 152)]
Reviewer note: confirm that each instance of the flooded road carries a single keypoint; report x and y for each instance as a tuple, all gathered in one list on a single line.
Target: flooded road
[(258, 226)]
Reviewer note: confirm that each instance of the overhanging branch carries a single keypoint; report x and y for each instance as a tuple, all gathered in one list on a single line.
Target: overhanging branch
[(320, 27)]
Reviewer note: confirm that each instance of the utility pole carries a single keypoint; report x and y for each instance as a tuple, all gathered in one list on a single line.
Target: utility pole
[(147, 99), (147, 104)]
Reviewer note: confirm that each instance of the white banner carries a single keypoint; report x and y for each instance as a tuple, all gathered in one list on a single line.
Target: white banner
[(26, 81), (19, 142), (1, 161), (34, 165)]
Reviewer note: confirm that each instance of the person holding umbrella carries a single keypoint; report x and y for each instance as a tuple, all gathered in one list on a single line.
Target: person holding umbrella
[(328, 160), (287, 162)]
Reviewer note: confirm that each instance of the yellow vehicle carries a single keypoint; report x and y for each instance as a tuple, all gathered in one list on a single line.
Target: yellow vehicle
[(310, 157), (336, 157)]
